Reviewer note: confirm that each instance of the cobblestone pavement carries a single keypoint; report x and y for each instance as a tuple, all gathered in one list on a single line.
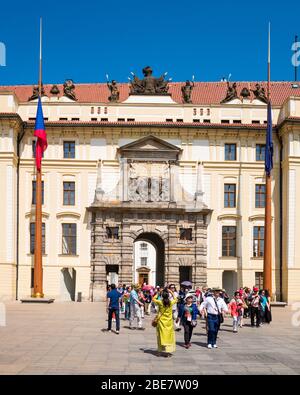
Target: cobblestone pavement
[(67, 338)]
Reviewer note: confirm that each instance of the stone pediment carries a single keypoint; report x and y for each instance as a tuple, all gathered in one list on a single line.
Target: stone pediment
[(150, 147)]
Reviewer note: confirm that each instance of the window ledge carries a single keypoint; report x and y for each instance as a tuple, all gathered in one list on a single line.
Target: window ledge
[(257, 258), (227, 258), (68, 255)]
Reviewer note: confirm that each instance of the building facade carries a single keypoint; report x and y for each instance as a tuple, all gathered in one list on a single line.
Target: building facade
[(142, 186)]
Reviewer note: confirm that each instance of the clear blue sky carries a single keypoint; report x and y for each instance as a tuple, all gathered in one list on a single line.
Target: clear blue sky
[(84, 40)]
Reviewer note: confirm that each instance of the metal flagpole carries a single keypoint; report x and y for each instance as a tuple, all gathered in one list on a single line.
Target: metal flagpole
[(38, 268), (267, 281)]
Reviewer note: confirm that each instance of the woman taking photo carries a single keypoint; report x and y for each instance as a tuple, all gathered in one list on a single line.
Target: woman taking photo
[(164, 323)]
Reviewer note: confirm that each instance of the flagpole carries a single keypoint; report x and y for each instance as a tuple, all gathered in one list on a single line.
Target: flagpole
[(38, 266), (267, 278)]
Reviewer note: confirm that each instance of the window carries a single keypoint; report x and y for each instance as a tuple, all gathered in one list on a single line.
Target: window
[(225, 121), (194, 111), (130, 119), (69, 193), (201, 112), (260, 195), (208, 111), (144, 247), (99, 110), (69, 239), (206, 120), (144, 261), (229, 241), (260, 151), (63, 119), (259, 280), (104, 119), (92, 110), (169, 120), (237, 121), (121, 119), (230, 151), (255, 122), (112, 232), (229, 195), (105, 110), (93, 119), (33, 149), (74, 119), (32, 237), (258, 241), (196, 120), (185, 233), (69, 149), (34, 192), (179, 120)]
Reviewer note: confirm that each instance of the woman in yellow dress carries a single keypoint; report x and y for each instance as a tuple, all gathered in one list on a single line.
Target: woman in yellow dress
[(166, 342)]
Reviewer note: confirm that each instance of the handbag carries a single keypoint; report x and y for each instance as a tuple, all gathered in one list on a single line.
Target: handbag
[(155, 320), (220, 315)]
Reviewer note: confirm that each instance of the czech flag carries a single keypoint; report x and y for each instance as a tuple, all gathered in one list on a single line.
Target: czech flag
[(40, 133)]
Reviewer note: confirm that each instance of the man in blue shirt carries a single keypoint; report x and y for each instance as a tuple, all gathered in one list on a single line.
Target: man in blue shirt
[(113, 306)]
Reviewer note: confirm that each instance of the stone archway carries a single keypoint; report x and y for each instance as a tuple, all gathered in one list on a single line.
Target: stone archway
[(159, 245)]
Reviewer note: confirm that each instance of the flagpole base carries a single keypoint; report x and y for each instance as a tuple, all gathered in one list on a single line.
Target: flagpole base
[(37, 295)]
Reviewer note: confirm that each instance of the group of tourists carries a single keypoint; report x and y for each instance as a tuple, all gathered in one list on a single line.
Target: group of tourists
[(176, 310)]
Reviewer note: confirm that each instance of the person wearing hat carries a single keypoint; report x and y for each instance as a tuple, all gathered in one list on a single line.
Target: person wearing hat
[(254, 299), (188, 317), (214, 306)]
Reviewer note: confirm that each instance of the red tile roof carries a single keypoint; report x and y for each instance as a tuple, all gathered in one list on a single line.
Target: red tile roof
[(204, 93)]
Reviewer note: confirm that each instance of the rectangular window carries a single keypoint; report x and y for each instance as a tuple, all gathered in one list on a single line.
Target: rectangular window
[(229, 241), (206, 120), (121, 119), (229, 195), (259, 280), (185, 233), (69, 149), (32, 237), (260, 152), (33, 149), (237, 121), (69, 193), (104, 119), (34, 192), (112, 232), (258, 241), (69, 239), (230, 151), (169, 120), (260, 195), (144, 261)]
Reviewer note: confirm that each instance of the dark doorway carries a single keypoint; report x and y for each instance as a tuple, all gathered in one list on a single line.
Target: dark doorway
[(160, 255), (185, 273), (69, 284)]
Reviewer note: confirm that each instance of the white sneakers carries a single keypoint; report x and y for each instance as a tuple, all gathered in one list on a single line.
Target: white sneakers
[(209, 346), (215, 346)]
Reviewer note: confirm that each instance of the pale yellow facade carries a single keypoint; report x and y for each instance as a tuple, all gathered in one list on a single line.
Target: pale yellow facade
[(201, 163)]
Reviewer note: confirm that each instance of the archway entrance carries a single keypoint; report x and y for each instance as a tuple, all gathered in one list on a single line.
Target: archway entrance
[(149, 259)]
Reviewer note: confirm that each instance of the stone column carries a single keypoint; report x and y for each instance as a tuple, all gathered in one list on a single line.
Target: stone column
[(199, 188), (201, 253), (173, 180), (124, 179), (99, 192)]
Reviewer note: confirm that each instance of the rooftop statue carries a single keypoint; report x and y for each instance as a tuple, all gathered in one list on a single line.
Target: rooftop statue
[(260, 93), (35, 92), (149, 85), (114, 91), (69, 89), (187, 91), (231, 93)]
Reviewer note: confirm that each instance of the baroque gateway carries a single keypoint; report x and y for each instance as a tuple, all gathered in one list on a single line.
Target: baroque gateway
[(149, 181)]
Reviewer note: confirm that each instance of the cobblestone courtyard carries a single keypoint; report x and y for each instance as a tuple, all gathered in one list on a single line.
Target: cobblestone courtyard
[(66, 338)]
